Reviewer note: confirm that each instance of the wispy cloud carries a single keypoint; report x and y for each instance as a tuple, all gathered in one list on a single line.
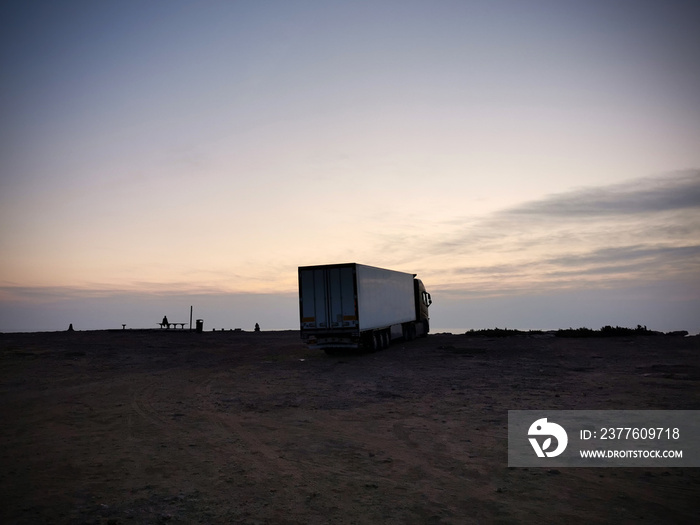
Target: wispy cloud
[(645, 229), (676, 191), (643, 253)]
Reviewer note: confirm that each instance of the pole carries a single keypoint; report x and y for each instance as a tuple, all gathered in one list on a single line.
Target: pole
[(190, 318)]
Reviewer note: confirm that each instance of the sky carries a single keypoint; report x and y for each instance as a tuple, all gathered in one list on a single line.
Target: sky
[(536, 163)]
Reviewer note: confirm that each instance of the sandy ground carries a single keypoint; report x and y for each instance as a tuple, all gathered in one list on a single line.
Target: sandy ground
[(121, 427)]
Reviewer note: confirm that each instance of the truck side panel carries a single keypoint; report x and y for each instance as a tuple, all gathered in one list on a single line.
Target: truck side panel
[(385, 297)]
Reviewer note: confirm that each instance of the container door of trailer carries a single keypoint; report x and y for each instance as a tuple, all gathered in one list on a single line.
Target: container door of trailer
[(341, 284), (312, 287), (327, 298)]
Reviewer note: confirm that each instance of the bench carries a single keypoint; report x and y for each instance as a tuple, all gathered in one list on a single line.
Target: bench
[(173, 325)]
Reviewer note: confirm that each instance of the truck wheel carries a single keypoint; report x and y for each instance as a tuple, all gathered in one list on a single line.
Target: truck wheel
[(409, 332), (426, 328), (376, 342), (385, 339)]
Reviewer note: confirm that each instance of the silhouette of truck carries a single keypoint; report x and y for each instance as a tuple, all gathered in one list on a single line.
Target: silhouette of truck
[(357, 306)]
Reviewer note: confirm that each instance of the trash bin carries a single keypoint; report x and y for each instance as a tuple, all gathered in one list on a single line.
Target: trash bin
[(200, 326)]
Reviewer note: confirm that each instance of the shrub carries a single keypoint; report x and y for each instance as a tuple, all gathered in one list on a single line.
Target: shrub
[(500, 332), (605, 331)]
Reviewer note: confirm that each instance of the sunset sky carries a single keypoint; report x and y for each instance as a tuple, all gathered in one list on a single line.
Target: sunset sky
[(536, 163)]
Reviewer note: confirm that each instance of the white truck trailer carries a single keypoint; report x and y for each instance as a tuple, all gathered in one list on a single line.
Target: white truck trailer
[(353, 305)]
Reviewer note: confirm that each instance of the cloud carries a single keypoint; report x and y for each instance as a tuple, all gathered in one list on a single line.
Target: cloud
[(675, 191), (646, 229), (608, 255), (665, 208)]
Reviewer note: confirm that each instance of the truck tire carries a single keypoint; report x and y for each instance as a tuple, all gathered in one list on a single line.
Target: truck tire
[(386, 339), (376, 341), (426, 328), (409, 331)]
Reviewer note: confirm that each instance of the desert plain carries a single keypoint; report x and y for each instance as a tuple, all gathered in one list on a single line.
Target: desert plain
[(171, 426)]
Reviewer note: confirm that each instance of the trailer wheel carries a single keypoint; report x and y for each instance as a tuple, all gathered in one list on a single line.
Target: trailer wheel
[(376, 342), (385, 339)]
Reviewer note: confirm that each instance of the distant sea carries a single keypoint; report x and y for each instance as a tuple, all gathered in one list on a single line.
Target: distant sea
[(454, 331)]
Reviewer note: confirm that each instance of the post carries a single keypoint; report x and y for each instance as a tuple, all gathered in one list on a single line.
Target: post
[(190, 318)]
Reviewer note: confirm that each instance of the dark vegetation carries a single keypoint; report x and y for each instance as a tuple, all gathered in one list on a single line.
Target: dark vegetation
[(501, 332), (611, 331), (605, 331)]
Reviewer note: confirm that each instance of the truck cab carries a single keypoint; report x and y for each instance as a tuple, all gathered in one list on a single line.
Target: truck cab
[(423, 301)]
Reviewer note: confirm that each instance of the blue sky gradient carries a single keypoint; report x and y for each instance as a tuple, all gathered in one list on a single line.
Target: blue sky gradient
[(155, 155)]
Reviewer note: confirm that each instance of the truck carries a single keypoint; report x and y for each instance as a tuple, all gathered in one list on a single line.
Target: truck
[(355, 306)]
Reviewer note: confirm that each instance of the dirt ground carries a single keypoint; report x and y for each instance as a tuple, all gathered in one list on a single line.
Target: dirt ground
[(155, 426)]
